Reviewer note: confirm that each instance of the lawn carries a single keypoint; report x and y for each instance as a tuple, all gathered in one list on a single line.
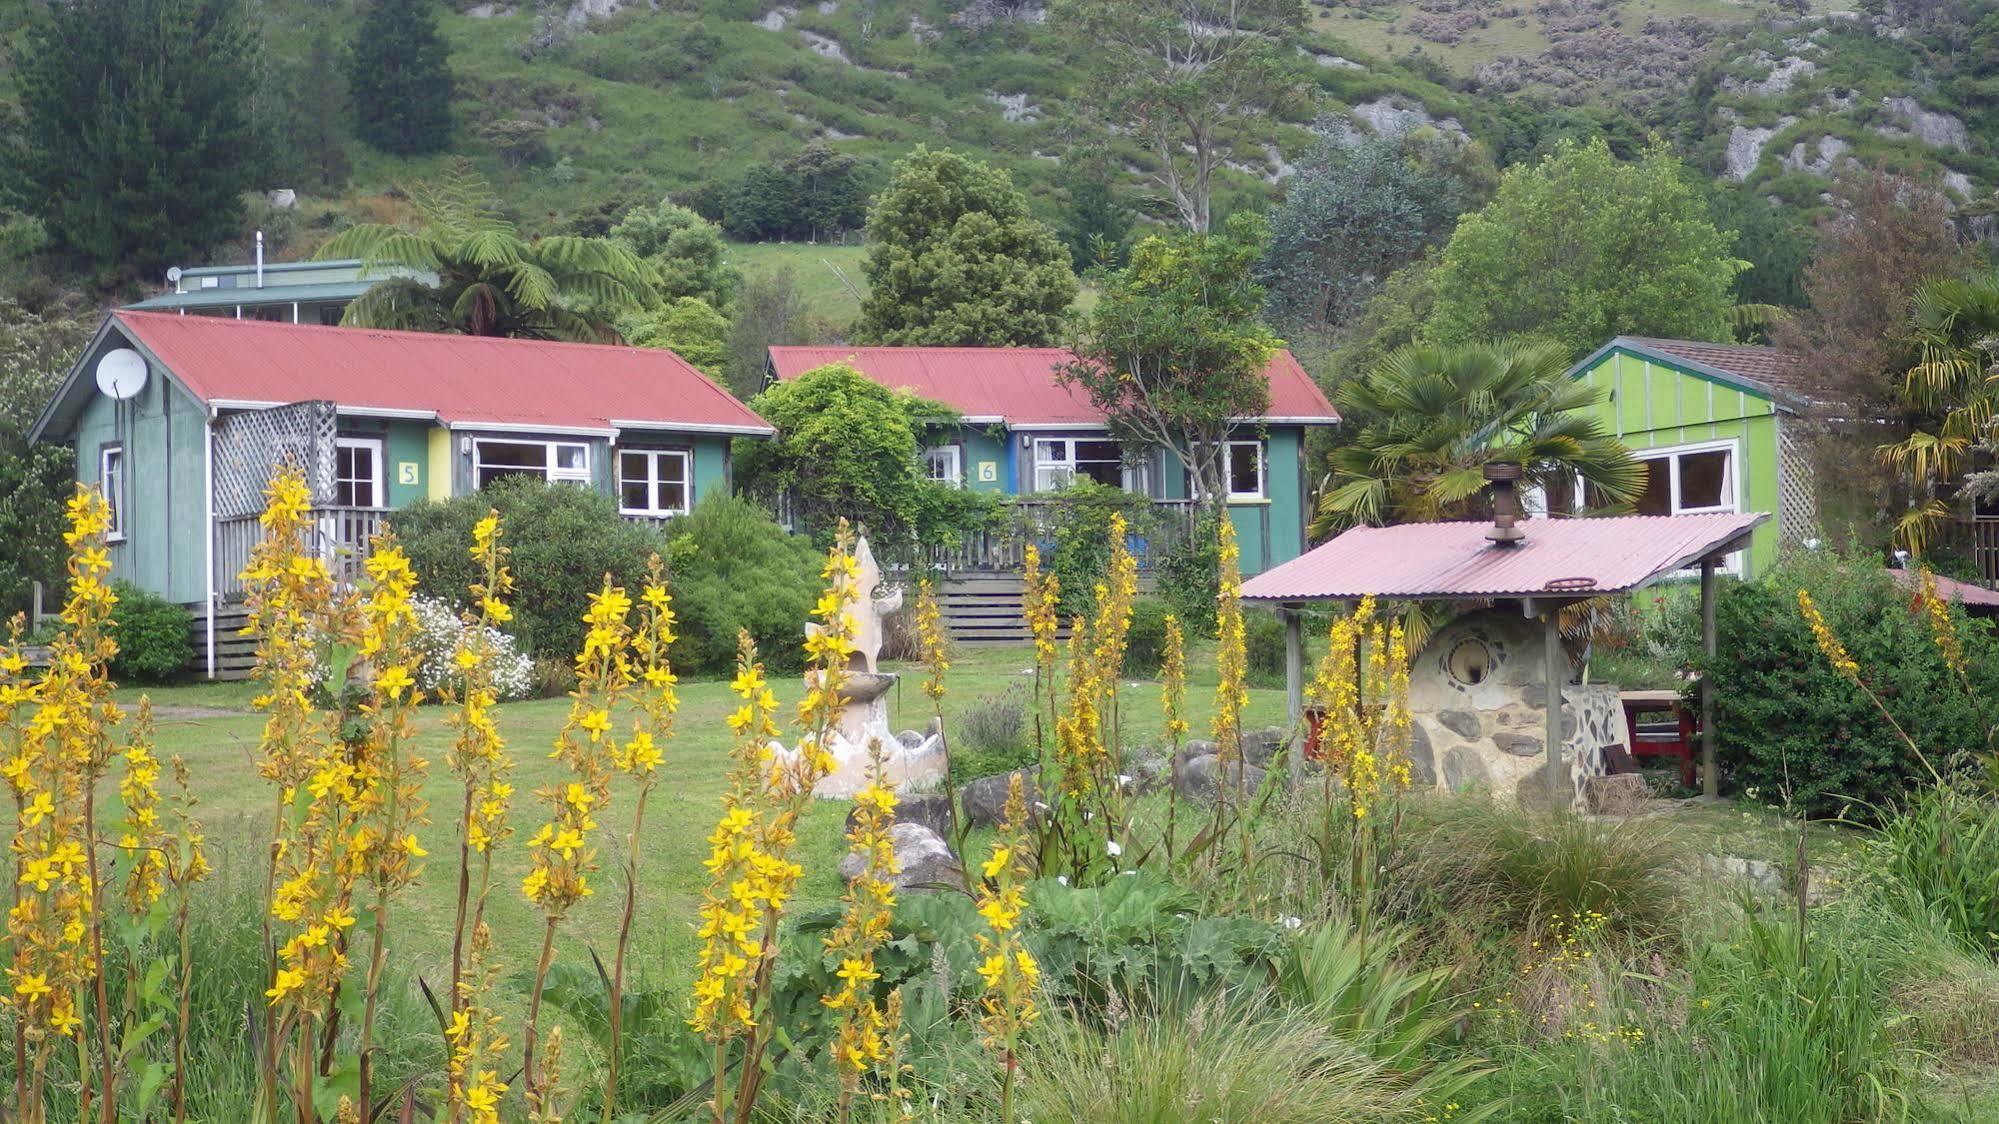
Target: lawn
[(817, 270), (221, 750)]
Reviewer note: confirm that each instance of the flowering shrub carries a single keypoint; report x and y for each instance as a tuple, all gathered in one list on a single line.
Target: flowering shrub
[(442, 634)]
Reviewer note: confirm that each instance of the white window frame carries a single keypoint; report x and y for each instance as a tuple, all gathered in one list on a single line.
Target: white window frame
[(1731, 485), (1045, 465), (380, 448), (114, 494), (1262, 491), (550, 470), (653, 458), (951, 458)]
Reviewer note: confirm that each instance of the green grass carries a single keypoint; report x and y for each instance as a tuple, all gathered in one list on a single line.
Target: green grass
[(235, 804), (818, 271)]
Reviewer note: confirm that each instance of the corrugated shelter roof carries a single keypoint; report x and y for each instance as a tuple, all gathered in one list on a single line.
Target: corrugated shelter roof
[(1559, 557), (1017, 386), (467, 381), (1950, 589), (318, 291), (1768, 372)]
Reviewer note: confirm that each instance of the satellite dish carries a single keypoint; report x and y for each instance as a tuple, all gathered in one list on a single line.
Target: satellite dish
[(173, 274), (121, 373)]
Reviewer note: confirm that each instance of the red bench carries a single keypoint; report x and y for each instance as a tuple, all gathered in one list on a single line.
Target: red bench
[(1660, 724)]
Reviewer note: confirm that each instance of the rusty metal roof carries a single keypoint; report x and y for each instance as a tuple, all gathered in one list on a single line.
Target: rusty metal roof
[(1559, 558), (1950, 589)]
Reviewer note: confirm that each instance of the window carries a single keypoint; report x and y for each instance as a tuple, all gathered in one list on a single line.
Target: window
[(1690, 480), (945, 465), (1244, 465), (1059, 461), (558, 462), (653, 482), (111, 481), (357, 472)]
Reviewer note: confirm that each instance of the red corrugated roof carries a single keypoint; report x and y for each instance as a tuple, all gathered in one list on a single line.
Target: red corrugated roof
[(1440, 560), (1950, 589), (1017, 385), (464, 380)]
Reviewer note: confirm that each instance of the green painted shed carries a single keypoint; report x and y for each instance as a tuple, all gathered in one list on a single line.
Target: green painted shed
[(181, 420), (1719, 429)]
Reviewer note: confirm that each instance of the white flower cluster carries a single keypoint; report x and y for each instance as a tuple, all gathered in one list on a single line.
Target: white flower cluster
[(442, 633)]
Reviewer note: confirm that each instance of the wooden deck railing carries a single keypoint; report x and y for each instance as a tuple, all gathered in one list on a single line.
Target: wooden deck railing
[(1003, 548), (340, 535)]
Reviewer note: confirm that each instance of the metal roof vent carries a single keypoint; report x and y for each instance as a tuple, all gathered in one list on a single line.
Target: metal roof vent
[(1504, 476)]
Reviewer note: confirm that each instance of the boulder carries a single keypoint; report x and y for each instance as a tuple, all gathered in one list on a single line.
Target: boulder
[(1621, 794), (923, 860), (1760, 878), (984, 800), (932, 810), (1197, 748), (1259, 746), (1201, 778)]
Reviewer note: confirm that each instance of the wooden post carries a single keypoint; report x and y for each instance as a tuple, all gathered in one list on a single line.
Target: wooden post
[(1561, 793), (1294, 684), (1710, 779)]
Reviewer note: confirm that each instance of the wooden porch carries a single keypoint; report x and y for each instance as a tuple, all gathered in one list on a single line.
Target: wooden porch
[(341, 536)]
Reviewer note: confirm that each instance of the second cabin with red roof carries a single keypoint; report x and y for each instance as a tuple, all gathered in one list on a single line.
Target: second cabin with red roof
[(181, 419), (1022, 433)]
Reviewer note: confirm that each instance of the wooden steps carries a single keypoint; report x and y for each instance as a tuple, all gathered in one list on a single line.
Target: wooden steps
[(984, 608), (235, 653)]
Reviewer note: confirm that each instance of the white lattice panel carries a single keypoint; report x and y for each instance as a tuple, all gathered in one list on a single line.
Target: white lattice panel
[(250, 445)]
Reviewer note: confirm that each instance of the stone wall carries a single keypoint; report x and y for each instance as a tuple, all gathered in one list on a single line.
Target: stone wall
[(1479, 705)]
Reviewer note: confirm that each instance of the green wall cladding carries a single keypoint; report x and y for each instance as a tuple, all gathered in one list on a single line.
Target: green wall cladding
[(162, 430)]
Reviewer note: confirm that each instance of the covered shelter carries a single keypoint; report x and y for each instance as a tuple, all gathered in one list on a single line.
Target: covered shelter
[(1542, 564)]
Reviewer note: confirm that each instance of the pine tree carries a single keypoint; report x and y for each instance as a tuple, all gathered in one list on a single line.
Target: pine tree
[(136, 143), (398, 79)]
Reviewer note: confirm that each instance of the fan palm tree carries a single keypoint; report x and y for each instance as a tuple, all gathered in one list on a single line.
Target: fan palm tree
[(476, 275), (1432, 418), (1955, 382)]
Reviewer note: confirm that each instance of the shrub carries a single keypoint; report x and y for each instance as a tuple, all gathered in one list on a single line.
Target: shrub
[(991, 735), (1189, 579), (1079, 522), (564, 540), (1145, 642), (1263, 637), (1788, 727), (154, 639), (442, 633), (733, 569)]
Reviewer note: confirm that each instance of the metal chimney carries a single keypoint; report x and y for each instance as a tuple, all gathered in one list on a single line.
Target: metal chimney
[(260, 259), (1504, 476)]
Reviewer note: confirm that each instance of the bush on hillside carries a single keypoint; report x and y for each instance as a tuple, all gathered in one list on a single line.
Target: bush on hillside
[(1790, 729), (732, 569), (154, 640), (563, 540)]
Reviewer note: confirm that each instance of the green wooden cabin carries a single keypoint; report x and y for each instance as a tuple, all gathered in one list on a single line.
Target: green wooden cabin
[(181, 419), (1024, 435), (1717, 427)]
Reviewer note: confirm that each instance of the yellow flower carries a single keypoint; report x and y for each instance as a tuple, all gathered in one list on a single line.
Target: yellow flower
[(394, 681)]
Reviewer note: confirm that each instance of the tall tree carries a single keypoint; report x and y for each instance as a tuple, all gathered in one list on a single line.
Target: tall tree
[(1173, 352), (811, 194), (1359, 208), (684, 249), (769, 311), (35, 480), (955, 259), (136, 145), (1188, 78), (685, 326), (1884, 237), (1431, 418), (400, 78), (1581, 247), (468, 270)]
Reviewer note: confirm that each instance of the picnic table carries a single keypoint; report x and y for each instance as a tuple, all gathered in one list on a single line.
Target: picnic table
[(1660, 724)]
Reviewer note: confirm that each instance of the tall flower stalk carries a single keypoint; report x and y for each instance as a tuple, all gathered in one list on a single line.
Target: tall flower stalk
[(186, 865), (1361, 689), (1835, 653), (1042, 594), (861, 1041), (1173, 708), (391, 805), (1231, 687), (478, 757), (638, 758), (560, 854), (1008, 970)]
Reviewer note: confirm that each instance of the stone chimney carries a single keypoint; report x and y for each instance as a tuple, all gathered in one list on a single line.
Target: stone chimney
[(1504, 476)]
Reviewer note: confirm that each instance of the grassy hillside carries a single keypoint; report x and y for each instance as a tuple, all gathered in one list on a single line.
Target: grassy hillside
[(832, 296)]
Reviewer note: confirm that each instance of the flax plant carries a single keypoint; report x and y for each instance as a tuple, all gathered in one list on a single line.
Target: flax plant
[(54, 926), (390, 805), (639, 758), (861, 1041), (1008, 970), (1835, 653), (1173, 708), (478, 757), (560, 855)]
